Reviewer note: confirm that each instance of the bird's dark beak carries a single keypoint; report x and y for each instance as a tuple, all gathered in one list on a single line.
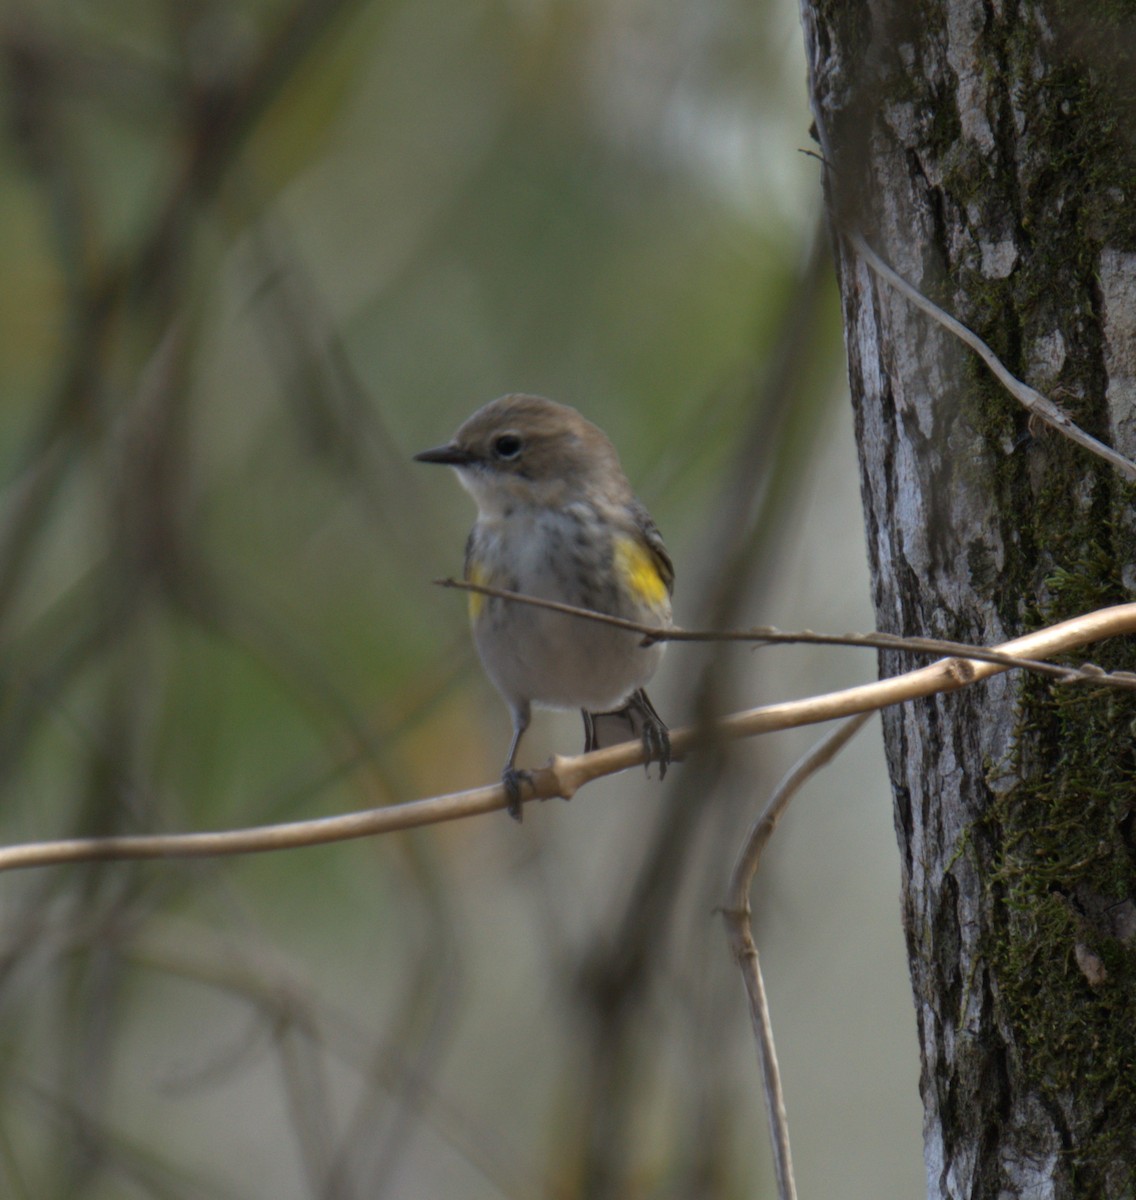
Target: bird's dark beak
[(450, 455)]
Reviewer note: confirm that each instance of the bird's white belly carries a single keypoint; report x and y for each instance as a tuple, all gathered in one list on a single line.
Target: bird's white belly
[(548, 658), (564, 662)]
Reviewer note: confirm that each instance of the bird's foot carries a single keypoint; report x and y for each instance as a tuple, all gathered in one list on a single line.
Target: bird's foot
[(637, 718), (653, 732), (656, 744), (513, 781)]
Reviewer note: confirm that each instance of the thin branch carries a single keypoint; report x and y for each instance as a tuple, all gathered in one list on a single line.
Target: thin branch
[(745, 953), (1031, 399), (1040, 406), (739, 931), (769, 635), (818, 756), (563, 777)]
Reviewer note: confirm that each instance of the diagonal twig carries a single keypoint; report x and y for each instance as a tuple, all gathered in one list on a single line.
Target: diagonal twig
[(736, 914), (768, 635), (1030, 398), (563, 777)]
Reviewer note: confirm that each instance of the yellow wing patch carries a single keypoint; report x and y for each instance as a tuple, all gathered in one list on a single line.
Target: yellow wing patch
[(475, 573), (639, 568)]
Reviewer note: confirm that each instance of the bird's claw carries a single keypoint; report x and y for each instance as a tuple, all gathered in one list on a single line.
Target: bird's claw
[(513, 780), (656, 746)]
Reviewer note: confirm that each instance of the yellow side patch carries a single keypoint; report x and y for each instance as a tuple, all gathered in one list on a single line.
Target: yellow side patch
[(479, 575), (637, 567)]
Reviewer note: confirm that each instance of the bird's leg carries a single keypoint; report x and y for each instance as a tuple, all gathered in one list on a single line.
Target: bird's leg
[(511, 778), (656, 739), (590, 742)]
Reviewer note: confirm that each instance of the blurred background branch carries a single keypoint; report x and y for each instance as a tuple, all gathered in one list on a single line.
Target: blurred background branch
[(256, 252)]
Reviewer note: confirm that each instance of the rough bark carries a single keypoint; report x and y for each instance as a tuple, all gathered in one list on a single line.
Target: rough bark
[(985, 149)]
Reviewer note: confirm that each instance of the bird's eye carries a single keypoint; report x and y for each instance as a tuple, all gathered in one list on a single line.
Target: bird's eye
[(508, 445)]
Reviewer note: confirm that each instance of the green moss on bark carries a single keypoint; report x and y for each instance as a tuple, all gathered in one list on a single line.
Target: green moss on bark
[(1056, 846)]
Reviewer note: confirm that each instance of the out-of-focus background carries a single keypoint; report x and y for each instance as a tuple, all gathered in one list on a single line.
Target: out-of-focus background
[(257, 253)]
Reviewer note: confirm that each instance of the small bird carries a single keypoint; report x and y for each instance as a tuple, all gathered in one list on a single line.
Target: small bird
[(556, 519)]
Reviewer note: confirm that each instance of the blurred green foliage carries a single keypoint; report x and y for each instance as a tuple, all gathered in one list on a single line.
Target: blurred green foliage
[(257, 254)]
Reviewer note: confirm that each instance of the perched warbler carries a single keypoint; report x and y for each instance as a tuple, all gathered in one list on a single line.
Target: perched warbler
[(556, 519)]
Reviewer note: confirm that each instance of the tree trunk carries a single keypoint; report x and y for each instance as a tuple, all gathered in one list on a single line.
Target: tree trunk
[(985, 150)]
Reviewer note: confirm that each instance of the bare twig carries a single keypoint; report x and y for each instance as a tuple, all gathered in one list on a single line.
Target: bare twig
[(757, 838), (745, 953), (768, 635), (1031, 399), (736, 914), (563, 777), (1038, 405)]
